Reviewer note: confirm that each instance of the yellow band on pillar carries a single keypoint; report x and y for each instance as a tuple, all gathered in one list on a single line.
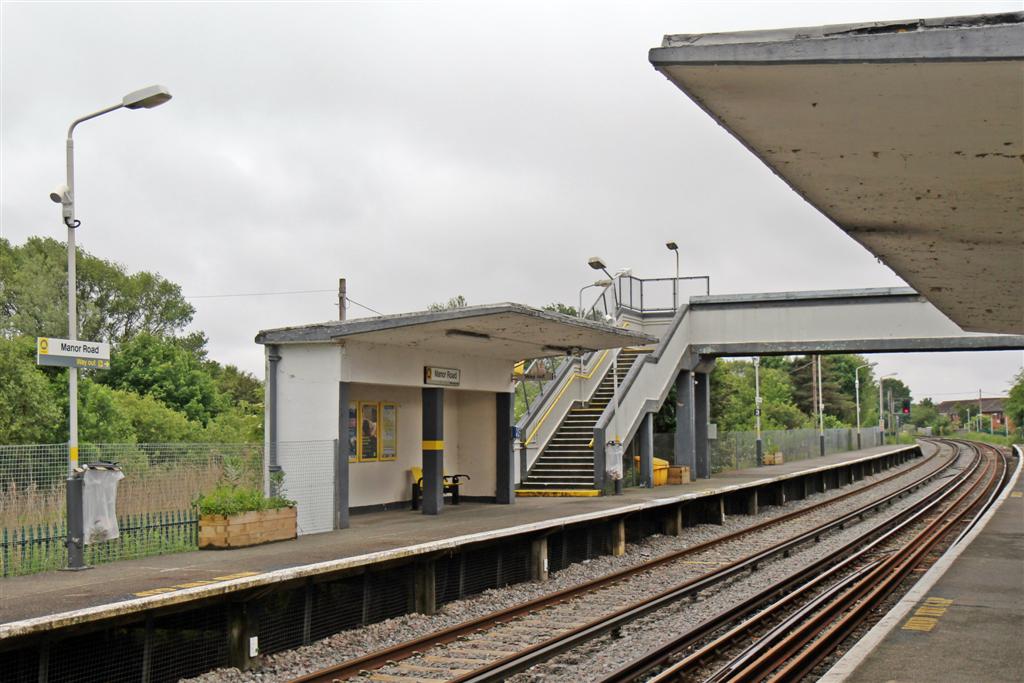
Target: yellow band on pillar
[(73, 454), (433, 445)]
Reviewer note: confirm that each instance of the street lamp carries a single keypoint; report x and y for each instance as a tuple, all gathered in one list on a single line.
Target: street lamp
[(856, 385), (672, 246), (598, 283), (881, 418), (759, 450), (597, 263), (147, 98)]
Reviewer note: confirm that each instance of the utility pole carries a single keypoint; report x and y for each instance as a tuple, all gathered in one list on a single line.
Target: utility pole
[(821, 411), (342, 298)]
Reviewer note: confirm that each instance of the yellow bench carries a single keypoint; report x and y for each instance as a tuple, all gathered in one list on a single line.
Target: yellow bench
[(451, 486)]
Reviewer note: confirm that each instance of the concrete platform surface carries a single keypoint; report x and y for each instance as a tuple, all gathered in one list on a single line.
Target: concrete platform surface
[(966, 625), (39, 602)]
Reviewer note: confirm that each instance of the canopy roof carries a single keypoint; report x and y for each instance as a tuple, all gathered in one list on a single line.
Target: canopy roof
[(908, 135), (507, 331)]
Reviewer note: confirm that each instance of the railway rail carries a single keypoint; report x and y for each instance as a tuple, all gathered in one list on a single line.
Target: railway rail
[(783, 633), (491, 647)]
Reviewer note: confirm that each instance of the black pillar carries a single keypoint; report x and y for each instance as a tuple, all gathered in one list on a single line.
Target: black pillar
[(433, 450), (684, 453), (702, 417), (505, 463), (342, 451)]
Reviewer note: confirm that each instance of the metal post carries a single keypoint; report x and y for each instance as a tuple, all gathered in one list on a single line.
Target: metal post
[(615, 417), (76, 530), (757, 410), (821, 410)]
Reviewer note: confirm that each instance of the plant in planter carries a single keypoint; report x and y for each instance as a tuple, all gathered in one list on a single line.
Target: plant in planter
[(233, 516)]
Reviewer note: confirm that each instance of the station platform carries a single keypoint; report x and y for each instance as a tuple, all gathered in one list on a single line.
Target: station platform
[(48, 602), (963, 621)]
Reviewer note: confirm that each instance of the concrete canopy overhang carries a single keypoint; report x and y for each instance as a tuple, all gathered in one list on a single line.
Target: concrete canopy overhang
[(506, 331), (908, 135)]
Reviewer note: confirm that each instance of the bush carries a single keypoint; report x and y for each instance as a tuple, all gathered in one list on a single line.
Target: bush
[(232, 500)]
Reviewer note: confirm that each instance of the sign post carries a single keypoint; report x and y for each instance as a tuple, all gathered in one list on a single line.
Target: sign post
[(73, 354)]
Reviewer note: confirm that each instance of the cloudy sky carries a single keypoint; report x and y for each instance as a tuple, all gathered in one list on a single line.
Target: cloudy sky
[(421, 150)]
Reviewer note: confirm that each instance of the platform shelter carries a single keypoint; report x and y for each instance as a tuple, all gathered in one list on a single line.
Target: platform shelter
[(402, 396)]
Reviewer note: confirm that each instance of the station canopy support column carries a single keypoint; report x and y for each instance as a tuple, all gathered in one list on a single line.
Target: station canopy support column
[(433, 450), (505, 483), (684, 453)]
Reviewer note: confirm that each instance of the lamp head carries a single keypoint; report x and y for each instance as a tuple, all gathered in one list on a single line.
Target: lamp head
[(147, 98), (602, 283), (672, 246), (596, 262)]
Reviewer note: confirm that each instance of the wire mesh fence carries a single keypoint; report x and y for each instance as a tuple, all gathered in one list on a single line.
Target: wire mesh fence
[(738, 450), (155, 500)]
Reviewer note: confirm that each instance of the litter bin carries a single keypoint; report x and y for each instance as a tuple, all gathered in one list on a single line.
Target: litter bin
[(99, 501)]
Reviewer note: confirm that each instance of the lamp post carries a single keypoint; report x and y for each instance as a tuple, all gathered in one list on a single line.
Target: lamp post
[(881, 418), (598, 283), (672, 246), (147, 98), (856, 385), (759, 449)]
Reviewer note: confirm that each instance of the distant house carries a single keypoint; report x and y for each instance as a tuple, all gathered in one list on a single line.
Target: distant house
[(992, 408)]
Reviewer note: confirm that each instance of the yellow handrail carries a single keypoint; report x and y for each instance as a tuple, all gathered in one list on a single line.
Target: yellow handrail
[(554, 402)]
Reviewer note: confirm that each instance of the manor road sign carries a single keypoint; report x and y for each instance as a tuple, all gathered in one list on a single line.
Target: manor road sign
[(69, 353)]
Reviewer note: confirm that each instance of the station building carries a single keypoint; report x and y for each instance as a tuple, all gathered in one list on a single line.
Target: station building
[(357, 410)]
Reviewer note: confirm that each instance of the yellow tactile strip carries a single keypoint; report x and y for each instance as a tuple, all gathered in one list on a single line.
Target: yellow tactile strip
[(193, 584)]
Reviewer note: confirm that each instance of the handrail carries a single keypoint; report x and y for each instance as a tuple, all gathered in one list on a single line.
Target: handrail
[(554, 402), (653, 357)]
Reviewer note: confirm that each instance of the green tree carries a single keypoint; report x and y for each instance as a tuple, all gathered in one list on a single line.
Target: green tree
[(455, 302), (30, 408), (1014, 406), (151, 365), (733, 397), (837, 402), (564, 309), (112, 304)]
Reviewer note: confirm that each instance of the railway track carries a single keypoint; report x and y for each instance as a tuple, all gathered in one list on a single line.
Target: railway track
[(784, 633), (498, 645)]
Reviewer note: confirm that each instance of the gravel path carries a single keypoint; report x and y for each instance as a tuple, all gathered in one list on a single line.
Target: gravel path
[(285, 666)]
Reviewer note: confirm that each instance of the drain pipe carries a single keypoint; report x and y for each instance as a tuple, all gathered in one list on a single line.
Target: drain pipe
[(273, 358)]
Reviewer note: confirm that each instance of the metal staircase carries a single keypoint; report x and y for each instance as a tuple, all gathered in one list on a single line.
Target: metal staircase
[(567, 462)]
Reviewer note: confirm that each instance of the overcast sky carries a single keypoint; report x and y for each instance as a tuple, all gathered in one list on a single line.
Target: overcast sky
[(421, 150)]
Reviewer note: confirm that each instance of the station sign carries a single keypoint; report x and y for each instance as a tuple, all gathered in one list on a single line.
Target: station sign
[(447, 377), (72, 353)]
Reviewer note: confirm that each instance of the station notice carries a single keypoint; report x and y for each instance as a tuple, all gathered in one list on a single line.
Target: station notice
[(72, 353)]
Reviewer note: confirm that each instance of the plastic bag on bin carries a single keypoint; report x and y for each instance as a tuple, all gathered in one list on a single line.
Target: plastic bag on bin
[(99, 502), (613, 460)]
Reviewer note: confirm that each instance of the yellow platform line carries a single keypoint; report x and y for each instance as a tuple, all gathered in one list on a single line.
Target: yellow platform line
[(557, 493)]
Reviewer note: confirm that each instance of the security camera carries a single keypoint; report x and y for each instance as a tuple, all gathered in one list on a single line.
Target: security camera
[(60, 194)]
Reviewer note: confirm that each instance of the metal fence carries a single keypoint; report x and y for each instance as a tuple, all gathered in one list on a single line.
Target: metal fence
[(155, 500), (41, 547), (738, 450)]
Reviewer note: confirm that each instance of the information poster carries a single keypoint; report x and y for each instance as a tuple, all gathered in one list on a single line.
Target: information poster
[(370, 423), (389, 431)]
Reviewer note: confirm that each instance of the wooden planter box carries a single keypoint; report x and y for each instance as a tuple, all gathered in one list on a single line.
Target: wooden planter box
[(246, 528), (773, 458)]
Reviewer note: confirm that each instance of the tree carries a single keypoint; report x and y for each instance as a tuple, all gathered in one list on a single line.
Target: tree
[(564, 309), (455, 302), (112, 304), (1014, 407), (733, 397), (30, 408), (147, 364), (837, 402)]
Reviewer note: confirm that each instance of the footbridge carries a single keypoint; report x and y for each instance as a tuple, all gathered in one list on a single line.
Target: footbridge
[(613, 395)]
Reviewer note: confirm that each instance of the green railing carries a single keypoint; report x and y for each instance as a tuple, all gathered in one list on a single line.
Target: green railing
[(41, 547)]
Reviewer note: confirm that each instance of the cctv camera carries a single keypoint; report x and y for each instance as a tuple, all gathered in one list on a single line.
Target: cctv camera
[(60, 194)]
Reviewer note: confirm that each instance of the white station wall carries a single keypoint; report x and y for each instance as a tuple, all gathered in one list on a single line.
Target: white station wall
[(308, 411)]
